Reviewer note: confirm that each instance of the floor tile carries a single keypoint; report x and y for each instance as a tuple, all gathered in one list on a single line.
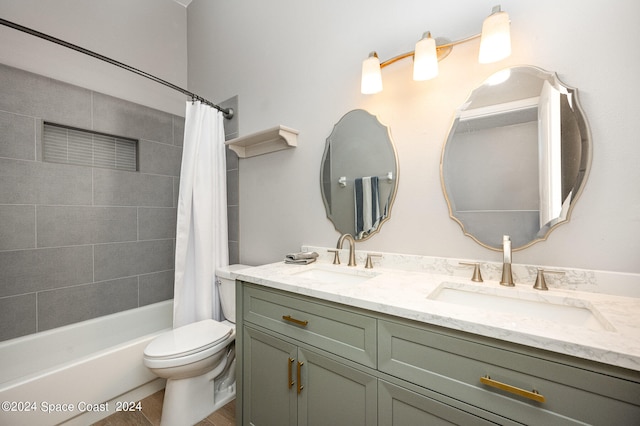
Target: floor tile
[(152, 411), (121, 418)]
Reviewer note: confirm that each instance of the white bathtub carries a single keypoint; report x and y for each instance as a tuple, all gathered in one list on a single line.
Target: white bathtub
[(82, 372)]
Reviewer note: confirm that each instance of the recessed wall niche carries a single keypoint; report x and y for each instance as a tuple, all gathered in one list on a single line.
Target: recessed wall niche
[(68, 145)]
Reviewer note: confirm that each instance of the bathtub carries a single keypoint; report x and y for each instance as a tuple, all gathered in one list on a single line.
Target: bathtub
[(82, 372)]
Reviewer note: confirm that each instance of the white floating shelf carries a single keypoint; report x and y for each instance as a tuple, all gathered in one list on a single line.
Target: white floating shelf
[(264, 142)]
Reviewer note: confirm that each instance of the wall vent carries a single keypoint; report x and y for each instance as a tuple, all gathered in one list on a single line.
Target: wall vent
[(63, 144)]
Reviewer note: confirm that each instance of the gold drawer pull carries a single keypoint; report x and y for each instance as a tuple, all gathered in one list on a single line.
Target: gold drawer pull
[(295, 321), (300, 387), (291, 361), (534, 395)]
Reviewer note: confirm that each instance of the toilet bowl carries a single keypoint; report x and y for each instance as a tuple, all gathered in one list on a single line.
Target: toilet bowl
[(198, 360), (190, 350)]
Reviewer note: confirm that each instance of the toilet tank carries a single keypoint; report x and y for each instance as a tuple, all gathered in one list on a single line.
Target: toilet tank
[(226, 279)]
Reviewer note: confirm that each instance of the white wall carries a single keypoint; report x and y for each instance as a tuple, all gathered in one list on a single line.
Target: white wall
[(298, 64), (150, 35)]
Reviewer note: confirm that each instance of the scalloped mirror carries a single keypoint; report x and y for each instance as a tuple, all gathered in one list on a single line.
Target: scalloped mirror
[(516, 158), (359, 174)]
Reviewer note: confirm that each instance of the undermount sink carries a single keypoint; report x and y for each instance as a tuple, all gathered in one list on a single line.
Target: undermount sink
[(338, 274), (547, 307)]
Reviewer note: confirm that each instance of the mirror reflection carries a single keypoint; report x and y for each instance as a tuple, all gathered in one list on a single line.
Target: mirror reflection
[(359, 174), (516, 158)]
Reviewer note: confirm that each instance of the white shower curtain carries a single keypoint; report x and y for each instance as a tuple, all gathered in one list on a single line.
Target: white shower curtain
[(201, 230)]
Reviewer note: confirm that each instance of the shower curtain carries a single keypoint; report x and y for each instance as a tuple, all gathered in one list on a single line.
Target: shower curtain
[(201, 230)]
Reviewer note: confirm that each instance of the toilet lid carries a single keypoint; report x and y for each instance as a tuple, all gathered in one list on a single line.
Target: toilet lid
[(188, 339)]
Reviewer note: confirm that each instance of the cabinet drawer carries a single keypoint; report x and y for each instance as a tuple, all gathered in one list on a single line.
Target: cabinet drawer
[(399, 406), (454, 364), (344, 333)]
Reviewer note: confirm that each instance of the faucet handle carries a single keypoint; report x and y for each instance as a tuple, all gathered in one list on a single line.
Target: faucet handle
[(369, 262), (336, 256), (477, 276), (541, 284)]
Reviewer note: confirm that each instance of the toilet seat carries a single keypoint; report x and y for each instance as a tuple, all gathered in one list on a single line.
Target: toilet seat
[(187, 344)]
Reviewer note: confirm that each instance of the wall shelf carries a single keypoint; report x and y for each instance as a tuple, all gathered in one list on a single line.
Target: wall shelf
[(264, 142)]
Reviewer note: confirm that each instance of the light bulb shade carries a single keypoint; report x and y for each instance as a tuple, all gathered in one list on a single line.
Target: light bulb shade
[(495, 42), (425, 59), (371, 76)]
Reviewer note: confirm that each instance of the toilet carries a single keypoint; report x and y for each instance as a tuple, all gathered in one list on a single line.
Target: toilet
[(198, 360)]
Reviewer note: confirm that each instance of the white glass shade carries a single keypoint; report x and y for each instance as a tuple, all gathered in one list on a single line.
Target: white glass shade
[(425, 60), (371, 76), (495, 42)]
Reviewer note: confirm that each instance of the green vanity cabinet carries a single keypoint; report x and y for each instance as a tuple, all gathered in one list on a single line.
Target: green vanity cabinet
[(288, 385), (358, 367), (335, 393), (338, 330), (290, 372), (268, 398), (519, 383)]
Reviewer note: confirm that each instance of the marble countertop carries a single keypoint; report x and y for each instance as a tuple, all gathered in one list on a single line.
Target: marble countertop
[(613, 339)]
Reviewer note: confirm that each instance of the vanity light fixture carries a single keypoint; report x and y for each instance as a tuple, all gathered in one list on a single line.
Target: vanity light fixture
[(425, 59), (495, 40), (495, 44)]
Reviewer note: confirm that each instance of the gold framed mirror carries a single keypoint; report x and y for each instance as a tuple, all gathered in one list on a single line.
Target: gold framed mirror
[(516, 158), (359, 174)]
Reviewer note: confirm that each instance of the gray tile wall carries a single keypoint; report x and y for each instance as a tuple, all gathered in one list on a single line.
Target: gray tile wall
[(231, 129), (80, 242)]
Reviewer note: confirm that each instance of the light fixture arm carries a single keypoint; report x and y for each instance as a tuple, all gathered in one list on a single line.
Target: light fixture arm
[(455, 43), (442, 50)]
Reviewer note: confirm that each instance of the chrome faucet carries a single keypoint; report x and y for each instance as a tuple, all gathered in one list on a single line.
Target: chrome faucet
[(507, 276), (352, 247)]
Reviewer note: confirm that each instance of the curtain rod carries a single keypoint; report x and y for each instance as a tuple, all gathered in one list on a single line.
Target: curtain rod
[(227, 112)]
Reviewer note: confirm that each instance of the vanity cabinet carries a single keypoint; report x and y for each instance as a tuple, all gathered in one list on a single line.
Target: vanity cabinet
[(288, 385), (291, 374), (357, 367), (512, 381), (268, 397)]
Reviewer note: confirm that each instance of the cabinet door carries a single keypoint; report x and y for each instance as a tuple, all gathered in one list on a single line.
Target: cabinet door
[(334, 394), (269, 398)]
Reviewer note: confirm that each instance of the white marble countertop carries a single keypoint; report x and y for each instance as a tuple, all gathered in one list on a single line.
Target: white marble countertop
[(614, 340)]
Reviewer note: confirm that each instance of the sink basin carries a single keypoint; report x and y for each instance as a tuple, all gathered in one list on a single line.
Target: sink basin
[(335, 275), (547, 307)]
